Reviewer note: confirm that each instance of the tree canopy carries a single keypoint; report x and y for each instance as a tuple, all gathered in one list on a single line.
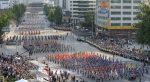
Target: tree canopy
[(18, 11), (89, 19), (54, 14), (143, 33), (14, 13)]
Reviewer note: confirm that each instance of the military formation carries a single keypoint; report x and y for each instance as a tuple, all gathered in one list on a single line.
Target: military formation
[(98, 66)]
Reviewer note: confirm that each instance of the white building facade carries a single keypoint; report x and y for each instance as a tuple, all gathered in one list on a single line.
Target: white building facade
[(117, 14), (78, 8), (4, 4), (49, 2)]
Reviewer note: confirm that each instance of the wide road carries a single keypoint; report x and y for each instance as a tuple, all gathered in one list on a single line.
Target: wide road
[(31, 21)]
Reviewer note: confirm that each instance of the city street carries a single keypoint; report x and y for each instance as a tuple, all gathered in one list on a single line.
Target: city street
[(33, 21)]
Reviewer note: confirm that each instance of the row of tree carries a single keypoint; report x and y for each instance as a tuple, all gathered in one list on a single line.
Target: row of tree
[(143, 33), (6, 15), (54, 14)]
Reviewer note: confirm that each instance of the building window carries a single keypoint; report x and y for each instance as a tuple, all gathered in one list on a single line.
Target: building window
[(126, 18), (116, 7), (126, 13), (115, 24), (135, 7), (5, 3), (126, 7), (115, 13), (115, 1), (136, 1), (135, 18), (126, 24), (115, 18), (126, 1), (135, 13)]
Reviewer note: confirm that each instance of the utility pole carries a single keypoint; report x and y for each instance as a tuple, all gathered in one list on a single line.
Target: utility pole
[(93, 26)]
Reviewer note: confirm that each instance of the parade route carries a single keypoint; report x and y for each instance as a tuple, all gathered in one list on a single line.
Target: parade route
[(41, 43)]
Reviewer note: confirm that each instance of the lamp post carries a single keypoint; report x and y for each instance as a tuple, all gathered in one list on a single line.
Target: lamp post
[(93, 26)]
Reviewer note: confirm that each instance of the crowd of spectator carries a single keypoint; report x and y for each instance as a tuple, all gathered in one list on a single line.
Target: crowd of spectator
[(116, 46), (63, 76), (16, 66)]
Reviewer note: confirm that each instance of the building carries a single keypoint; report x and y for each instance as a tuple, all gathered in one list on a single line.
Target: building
[(56, 2), (63, 4), (49, 2), (66, 17), (4, 4), (78, 8), (117, 17)]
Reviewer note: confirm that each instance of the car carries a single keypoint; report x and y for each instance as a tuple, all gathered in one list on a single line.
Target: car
[(80, 39)]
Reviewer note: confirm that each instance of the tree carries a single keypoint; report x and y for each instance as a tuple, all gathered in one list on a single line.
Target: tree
[(143, 33), (45, 9), (16, 12), (58, 15), (54, 14), (4, 21), (89, 19)]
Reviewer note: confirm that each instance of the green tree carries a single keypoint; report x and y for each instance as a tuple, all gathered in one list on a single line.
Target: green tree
[(88, 22), (4, 21), (54, 14), (58, 15), (51, 16), (18, 11), (143, 33), (45, 9), (9, 14)]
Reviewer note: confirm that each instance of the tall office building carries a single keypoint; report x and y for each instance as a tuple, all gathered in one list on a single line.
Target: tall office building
[(117, 17), (78, 8), (49, 2), (62, 4), (4, 4)]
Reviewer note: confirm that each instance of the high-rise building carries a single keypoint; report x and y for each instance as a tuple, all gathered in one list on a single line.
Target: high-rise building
[(78, 8), (49, 2), (4, 4), (117, 17), (56, 2), (62, 4)]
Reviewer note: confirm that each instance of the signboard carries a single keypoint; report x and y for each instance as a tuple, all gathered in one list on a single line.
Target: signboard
[(103, 11), (104, 7), (104, 4)]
